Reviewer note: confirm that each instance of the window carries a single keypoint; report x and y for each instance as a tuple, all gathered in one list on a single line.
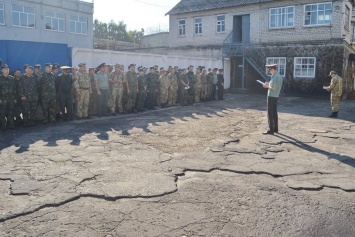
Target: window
[(181, 27), (281, 65), (23, 16), (281, 17), (55, 21), (221, 23), (318, 14), (305, 67), (347, 17), (2, 14), (198, 26), (78, 25)]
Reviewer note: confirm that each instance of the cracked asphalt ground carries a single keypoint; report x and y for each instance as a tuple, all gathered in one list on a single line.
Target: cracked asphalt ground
[(202, 170)]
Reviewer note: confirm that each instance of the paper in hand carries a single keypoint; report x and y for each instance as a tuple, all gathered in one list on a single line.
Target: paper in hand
[(262, 83), (325, 87)]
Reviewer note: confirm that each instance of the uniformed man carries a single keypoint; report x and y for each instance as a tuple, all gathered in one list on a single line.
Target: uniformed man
[(191, 91), (131, 77), (37, 73), (93, 96), (152, 87), (198, 85), (164, 88), (142, 89), (84, 83), (336, 90), (214, 83), (220, 84), (64, 84), (55, 69), (118, 82), (47, 93), (209, 79), (7, 98), (173, 87), (204, 87), (102, 88), (28, 94), (185, 86), (17, 107)]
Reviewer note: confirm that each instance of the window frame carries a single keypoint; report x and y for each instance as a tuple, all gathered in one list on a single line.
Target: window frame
[(317, 4), (3, 14), (223, 26), (181, 27), (280, 67), (51, 18), (27, 14), (347, 18), (295, 67), (281, 15), (78, 21), (198, 26)]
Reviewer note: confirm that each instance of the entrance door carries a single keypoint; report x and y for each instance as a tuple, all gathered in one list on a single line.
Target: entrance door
[(241, 29)]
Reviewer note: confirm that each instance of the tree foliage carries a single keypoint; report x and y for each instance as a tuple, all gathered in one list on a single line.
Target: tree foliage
[(116, 31)]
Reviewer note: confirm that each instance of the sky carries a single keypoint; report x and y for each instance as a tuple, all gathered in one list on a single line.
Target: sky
[(136, 14)]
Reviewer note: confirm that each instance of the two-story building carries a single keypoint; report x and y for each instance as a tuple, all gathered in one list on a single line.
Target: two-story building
[(40, 31), (306, 38)]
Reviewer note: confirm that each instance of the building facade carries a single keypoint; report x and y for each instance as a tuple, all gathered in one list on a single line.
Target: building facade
[(37, 24), (306, 38)]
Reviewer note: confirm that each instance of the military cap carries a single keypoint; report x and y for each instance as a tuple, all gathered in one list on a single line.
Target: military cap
[(215, 69), (37, 66), (140, 69), (332, 72), (55, 66), (191, 66), (117, 65), (17, 69), (91, 68), (176, 67), (25, 66), (65, 67), (101, 65), (151, 68), (29, 66), (161, 68), (271, 65), (156, 66), (5, 66), (81, 64), (220, 70), (184, 69), (47, 65), (131, 65)]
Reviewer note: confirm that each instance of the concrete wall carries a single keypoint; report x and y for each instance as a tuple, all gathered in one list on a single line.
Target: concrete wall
[(39, 33), (94, 57), (259, 17), (155, 40)]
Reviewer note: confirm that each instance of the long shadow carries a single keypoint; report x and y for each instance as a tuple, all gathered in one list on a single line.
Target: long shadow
[(344, 159)]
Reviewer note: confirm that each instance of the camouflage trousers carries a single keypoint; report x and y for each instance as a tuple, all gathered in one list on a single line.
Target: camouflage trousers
[(83, 103), (48, 107), (157, 98), (334, 101), (29, 111), (172, 95), (204, 92), (131, 99), (209, 91), (93, 103), (198, 90), (164, 96), (6, 116), (116, 96)]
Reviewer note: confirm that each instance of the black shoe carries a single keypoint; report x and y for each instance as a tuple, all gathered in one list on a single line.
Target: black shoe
[(268, 132), (113, 114)]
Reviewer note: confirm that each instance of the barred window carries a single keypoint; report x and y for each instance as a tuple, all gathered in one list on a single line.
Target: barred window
[(198, 26), (55, 21), (281, 64), (78, 25), (181, 27), (2, 14), (318, 14), (281, 17), (305, 67), (23, 16), (221, 23)]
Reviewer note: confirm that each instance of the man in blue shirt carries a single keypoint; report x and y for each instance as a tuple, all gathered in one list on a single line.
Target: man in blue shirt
[(274, 88)]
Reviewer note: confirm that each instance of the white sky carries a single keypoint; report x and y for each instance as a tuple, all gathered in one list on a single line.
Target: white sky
[(136, 14)]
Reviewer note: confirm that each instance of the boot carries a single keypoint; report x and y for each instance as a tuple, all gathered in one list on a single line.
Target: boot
[(333, 115)]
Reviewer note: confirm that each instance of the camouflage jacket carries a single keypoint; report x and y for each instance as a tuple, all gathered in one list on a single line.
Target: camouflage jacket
[(28, 88), (336, 86), (7, 88), (132, 81), (46, 86)]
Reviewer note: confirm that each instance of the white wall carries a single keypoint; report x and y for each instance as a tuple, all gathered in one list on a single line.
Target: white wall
[(94, 57)]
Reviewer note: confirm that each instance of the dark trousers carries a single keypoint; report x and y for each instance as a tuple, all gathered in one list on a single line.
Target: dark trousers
[(102, 102), (213, 95), (66, 102), (272, 113), (220, 91), (150, 100)]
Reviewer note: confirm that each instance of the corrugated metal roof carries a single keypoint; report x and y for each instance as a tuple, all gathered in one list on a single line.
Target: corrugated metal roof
[(185, 6)]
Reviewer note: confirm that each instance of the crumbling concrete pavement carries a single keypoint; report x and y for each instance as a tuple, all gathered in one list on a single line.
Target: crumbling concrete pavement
[(203, 170)]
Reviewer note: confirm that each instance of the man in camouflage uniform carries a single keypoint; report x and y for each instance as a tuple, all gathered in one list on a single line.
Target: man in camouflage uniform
[(17, 107), (191, 77), (117, 82), (142, 88), (209, 85), (7, 98), (164, 88), (64, 85), (185, 84), (47, 93), (102, 88), (83, 80), (203, 84), (198, 85), (28, 94), (220, 84), (173, 87), (152, 87), (336, 90), (37, 73), (131, 77), (93, 96)]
